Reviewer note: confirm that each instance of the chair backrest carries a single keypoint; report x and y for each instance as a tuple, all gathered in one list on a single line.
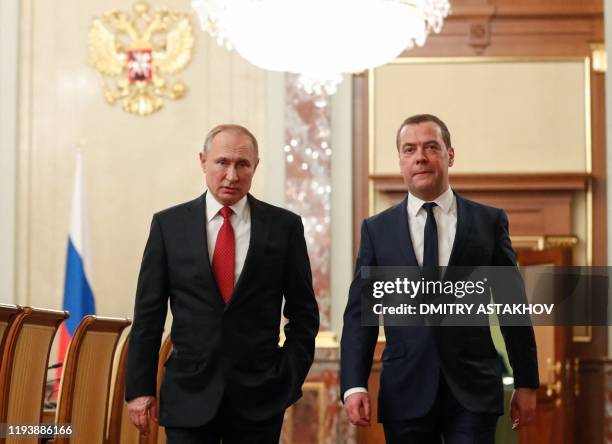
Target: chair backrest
[(120, 428), (157, 434), (86, 378), (10, 320), (8, 313), (26, 374)]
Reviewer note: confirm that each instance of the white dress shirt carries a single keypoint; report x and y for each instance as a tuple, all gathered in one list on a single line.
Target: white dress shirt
[(241, 223), (445, 214)]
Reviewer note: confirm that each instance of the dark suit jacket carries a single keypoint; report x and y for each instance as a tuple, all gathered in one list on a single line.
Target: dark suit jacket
[(415, 356), (223, 349)]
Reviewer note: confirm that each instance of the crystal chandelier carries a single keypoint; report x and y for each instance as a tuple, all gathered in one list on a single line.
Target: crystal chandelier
[(320, 39)]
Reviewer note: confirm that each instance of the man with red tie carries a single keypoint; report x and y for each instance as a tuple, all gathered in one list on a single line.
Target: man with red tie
[(224, 261)]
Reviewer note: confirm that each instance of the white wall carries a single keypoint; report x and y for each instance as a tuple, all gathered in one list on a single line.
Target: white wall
[(133, 165)]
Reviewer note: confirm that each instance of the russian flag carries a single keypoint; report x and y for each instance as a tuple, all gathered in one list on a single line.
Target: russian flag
[(78, 296)]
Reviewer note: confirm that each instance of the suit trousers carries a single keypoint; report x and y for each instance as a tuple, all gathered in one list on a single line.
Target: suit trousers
[(448, 421), (230, 429)]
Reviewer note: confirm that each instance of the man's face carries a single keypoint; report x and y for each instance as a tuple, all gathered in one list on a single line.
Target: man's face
[(424, 160), (229, 165)]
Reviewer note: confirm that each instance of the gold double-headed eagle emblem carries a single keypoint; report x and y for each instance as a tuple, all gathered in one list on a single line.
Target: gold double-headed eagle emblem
[(138, 56)]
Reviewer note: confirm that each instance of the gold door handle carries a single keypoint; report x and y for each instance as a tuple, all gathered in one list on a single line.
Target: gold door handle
[(554, 389), (576, 377), (554, 386)]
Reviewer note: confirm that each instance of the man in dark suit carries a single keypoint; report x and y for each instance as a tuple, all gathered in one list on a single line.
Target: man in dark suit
[(436, 382), (224, 261)]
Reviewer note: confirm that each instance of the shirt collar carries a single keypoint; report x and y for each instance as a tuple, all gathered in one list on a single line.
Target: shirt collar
[(444, 201), (240, 208)]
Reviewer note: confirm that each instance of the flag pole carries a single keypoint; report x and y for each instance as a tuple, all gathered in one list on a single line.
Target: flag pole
[(78, 294)]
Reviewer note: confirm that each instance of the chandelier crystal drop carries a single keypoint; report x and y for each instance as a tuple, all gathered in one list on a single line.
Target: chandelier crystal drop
[(320, 39)]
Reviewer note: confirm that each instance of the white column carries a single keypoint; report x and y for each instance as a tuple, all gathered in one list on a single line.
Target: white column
[(9, 33), (272, 167), (341, 201)]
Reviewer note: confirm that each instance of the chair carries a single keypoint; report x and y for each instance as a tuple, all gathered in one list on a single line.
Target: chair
[(156, 432), (9, 320), (24, 367), (120, 428), (84, 387), (8, 313)]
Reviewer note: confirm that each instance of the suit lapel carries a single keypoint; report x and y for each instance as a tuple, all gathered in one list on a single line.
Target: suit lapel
[(404, 242), (464, 222), (260, 229)]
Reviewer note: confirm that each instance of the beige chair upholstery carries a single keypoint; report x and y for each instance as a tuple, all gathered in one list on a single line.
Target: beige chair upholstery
[(84, 388), (26, 372), (120, 428)]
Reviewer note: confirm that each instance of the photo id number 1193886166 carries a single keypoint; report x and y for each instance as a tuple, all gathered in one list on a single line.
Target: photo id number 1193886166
[(35, 430)]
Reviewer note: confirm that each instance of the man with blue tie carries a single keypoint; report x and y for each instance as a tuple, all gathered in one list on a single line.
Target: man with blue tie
[(225, 262), (437, 383)]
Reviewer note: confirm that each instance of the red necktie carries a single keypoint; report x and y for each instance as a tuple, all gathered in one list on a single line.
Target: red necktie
[(223, 257)]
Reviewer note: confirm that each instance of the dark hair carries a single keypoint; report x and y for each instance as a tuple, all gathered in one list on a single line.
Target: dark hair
[(420, 118), (229, 127)]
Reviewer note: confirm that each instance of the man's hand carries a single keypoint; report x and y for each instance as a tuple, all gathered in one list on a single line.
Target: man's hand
[(140, 410), (522, 407), (357, 406)]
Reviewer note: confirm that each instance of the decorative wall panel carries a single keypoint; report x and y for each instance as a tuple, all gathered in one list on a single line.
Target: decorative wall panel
[(308, 177)]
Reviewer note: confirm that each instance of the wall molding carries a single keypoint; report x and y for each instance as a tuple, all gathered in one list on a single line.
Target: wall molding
[(537, 204), (577, 181)]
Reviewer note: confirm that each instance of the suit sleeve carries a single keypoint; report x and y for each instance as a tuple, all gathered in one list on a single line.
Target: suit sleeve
[(520, 340), (149, 317), (358, 342), (301, 309)]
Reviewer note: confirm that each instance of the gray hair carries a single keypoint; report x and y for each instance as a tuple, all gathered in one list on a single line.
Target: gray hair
[(229, 127)]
